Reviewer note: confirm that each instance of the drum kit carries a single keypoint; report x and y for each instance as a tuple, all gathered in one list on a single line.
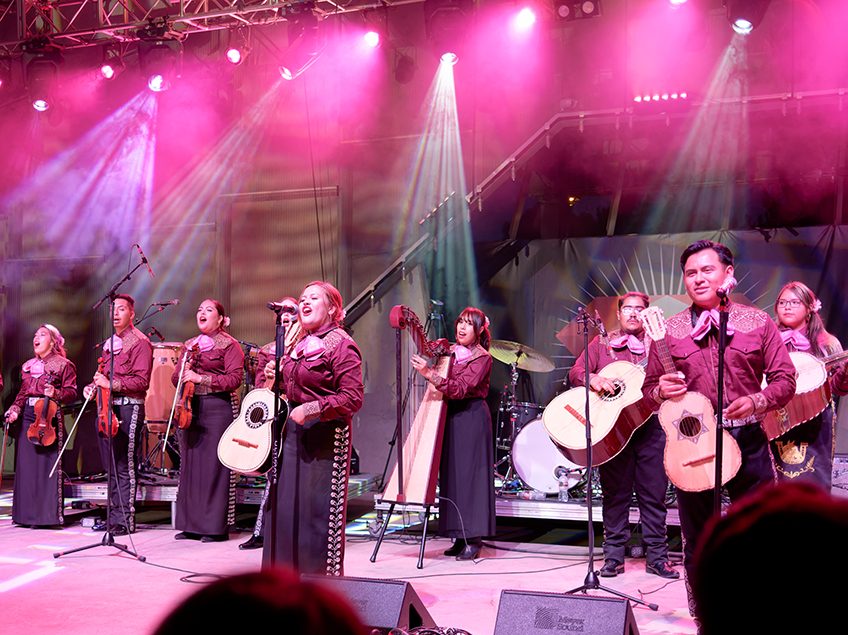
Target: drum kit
[(528, 451)]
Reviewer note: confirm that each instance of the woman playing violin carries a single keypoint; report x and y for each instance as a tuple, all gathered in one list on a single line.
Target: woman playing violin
[(466, 491), (322, 377), (204, 503), (38, 499), (806, 451)]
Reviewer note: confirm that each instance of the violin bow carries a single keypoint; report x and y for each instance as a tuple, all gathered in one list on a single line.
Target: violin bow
[(70, 434), (176, 395)]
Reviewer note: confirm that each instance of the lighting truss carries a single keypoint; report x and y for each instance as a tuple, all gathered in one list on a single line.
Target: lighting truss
[(80, 23)]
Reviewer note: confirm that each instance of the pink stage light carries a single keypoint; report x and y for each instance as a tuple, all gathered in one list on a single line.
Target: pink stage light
[(157, 83), (449, 58), (743, 26), (523, 20), (40, 105), (107, 71), (234, 56), (676, 3), (371, 39)]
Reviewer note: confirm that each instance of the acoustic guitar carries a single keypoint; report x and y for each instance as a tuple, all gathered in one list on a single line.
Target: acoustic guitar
[(245, 447), (689, 423), (812, 393), (614, 417)]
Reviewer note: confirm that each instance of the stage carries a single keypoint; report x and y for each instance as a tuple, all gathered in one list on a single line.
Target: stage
[(102, 590)]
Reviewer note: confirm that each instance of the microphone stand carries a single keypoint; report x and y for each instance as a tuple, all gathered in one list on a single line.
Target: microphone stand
[(276, 435), (592, 582), (108, 539), (719, 437)]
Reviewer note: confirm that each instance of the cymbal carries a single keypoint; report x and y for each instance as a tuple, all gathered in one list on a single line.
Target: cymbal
[(522, 355)]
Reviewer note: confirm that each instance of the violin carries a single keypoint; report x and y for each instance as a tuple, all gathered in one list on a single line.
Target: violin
[(182, 412), (107, 422), (41, 431)]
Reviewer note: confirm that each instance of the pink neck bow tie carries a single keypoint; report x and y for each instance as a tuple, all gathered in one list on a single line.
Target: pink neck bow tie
[(798, 339), (34, 367), (309, 346), (462, 354), (203, 342), (628, 341), (118, 346), (706, 321)]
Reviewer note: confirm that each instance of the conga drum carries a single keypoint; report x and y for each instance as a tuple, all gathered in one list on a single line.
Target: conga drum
[(158, 403)]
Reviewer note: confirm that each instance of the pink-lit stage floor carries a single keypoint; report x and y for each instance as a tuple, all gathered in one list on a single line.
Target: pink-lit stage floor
[(104, 591)]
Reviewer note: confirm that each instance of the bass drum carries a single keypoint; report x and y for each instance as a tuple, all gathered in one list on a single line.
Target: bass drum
[(538, 461)]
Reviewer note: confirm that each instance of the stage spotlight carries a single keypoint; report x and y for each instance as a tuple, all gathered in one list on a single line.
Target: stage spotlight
[(524, 20), (238, 46), (41, 71), (577, 9), (371, 39), (305, 43), (5, 74), (449, 58), (676, 3), (159, 54), (113, 63), (234, 56), (446, 23), (745, 15)]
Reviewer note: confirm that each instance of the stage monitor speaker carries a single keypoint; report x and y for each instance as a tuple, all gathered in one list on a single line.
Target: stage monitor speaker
[(381, 604), (529, 612)]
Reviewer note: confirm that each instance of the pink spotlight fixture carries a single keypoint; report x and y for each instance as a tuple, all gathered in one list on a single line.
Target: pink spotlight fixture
[(234, 56), (40, 105), (371, 39), (676, 3), (449, 58), (107, 71), (157, 83), (524, 20)]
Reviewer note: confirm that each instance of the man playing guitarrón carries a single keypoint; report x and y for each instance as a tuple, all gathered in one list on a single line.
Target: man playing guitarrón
[(754, 349), (639, 465)]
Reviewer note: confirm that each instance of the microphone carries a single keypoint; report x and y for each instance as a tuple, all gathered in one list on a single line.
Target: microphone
[(173, 302), (726, 287), (144, 260), (600, 324), (154, 331), (282, 308)]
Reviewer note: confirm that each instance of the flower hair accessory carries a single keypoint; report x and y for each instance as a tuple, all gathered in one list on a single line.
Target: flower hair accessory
[(486, 321), (226, 321), (815, 307)]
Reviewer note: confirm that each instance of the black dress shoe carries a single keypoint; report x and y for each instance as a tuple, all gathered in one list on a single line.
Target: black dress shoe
[(185, 535), (99, 525), (456, 548), (119, 530), (254, 542), (471, 551), (663, 569), (214, 538), (611, 569)]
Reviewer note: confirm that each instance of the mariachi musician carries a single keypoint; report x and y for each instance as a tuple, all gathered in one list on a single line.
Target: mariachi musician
[(639, 465), (288, 314), (38, 499), (322, 378), (129, 359), (754, 351), (206, 495), (806, 451)]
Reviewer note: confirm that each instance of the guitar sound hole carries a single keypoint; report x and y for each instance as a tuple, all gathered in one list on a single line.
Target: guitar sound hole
[(255, 417), (690, 426), (615, 394)]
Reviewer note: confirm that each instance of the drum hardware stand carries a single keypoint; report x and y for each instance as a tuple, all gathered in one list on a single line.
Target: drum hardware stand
[(108, 539), (510, 392), (584, 321), (159, 450)]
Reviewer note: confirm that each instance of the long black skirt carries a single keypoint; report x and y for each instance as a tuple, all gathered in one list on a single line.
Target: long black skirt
[(805, 453), (38, 498), (466, 472), (311, 501), (206, 495)]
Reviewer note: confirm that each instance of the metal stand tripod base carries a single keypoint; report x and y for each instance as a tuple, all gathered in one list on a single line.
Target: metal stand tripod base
[(592, 583), (107, 541), (385, 526)]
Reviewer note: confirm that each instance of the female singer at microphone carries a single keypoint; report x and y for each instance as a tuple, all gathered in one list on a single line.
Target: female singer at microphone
[(466, 491), (38, 500), (322, 378), (806, 451), (205, 498)]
